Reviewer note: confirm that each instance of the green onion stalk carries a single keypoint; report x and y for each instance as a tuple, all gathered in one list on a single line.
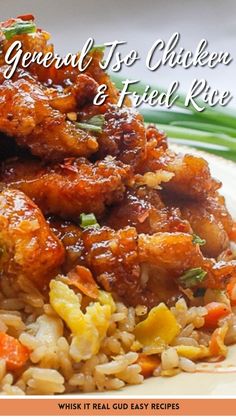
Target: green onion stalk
[(19, 28)]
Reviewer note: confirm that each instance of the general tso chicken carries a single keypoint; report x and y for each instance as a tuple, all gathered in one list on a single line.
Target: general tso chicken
[(71, 158)]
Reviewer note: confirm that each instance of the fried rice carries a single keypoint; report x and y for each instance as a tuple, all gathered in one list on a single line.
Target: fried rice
[(28, 316)]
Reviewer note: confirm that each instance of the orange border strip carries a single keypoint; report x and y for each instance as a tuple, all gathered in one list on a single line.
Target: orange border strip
[(117, 407)]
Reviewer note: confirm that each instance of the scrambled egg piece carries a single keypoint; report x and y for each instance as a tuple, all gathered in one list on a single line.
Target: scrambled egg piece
[(193, 352), (89, 329), (159, 327)]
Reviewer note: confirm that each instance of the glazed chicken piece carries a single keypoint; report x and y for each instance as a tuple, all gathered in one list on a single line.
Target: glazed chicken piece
[(26, 114), (192, 178), (210, 220), (70, 236), (37, 42), (144, 209), (155, 139), (73, 97), (37, 117), (176, 253), (123, 133), (28, 246), (144, 269), (70, 188), (95, 71), (112, 257), (67, 76)]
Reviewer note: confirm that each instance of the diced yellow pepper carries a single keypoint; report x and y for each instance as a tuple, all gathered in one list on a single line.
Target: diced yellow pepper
[(159, 327)]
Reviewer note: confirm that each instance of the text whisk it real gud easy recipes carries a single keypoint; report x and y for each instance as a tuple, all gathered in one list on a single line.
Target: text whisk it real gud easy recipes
[(160, 54)]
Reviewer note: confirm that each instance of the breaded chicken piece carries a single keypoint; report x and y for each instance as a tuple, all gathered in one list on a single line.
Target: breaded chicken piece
[(155, 138), (216, 205), (26, 114), (210, 220), (75, 96), (176, 253), (28, 246), (70, 236), (95, 71), (36, 42), (143, 269), (112, 256), (65, 75), (70, 188), (192, 178), (123, 133), (144, 209), (171, 252)]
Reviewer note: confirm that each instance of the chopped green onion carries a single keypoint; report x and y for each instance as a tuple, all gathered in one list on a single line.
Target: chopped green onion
[(88, 127), (93, 124), (19, 28), (97, 120), (198, 240), (192, 277), (88, 220)]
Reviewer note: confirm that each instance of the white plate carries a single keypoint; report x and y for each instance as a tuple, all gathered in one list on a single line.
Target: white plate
[(221, 377)]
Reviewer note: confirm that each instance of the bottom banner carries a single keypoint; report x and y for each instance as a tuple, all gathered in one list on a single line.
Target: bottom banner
[(117, 407)]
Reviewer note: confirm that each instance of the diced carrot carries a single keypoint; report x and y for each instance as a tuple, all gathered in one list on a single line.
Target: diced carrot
[(217, 346), (148, 363), (231, 289), (13, 352), (82, 278), (215, 311)]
